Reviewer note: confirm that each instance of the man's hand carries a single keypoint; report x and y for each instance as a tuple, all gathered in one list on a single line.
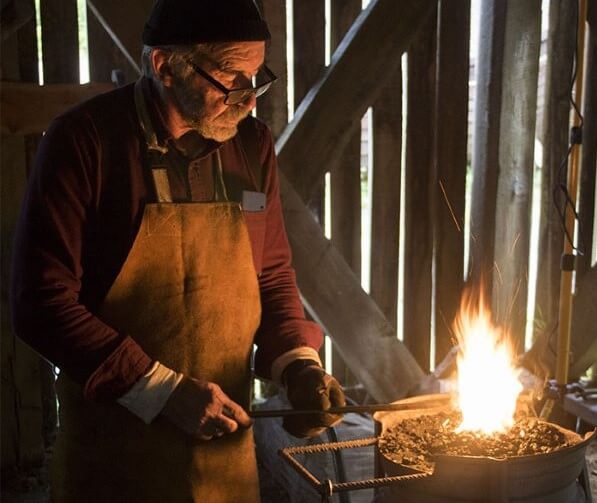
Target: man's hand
[(203, 410), (309, 387)]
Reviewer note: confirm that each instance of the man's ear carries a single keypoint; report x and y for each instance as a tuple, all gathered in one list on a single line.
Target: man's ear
[(161, 66)]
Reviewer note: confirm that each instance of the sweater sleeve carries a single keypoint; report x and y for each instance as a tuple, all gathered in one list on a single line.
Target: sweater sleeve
[(283, 324), (47, 271)]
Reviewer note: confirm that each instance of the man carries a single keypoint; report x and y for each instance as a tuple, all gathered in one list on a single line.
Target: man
[(151, 256)]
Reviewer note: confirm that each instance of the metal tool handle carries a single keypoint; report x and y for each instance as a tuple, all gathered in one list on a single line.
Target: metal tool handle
[(360, 409)]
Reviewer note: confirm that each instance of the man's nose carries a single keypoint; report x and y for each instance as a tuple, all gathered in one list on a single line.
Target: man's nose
[(250, 103)]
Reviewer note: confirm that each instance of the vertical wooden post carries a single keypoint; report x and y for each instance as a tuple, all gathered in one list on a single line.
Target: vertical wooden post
[(418, 192), (60, 41), (554, 137), (60, 47), (586, 201), (22, 422), (309, 45), (308, 19), (309, 62), (345, 180), (486, 141), (385, 209), (272, 107), (516, 161), (573, 172), (450, 166)]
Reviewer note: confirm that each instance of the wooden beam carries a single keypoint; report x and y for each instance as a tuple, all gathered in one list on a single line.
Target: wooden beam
[(331, 112), (586, 201), (385, 199), (345, 180), (60, 41), (272, 107), (308, 18), (125, 28), (561, 44), (105, 55), (29, 108), (486, 141), (335, 298), (450, 167), (14, 15), (22, 417), (516, 165), (419, 193)]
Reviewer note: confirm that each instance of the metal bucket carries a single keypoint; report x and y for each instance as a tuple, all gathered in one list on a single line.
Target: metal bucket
[(541, 478)]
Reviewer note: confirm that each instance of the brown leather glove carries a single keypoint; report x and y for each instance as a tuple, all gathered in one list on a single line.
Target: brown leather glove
[(309, 387)]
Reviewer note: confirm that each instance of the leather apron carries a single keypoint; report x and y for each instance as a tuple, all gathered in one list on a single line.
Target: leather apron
[(188, 294)]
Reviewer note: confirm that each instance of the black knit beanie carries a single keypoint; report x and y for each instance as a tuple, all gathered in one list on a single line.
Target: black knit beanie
[(181, 22)]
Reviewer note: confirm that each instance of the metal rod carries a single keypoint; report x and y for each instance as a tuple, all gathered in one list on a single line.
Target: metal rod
[(359, 409)]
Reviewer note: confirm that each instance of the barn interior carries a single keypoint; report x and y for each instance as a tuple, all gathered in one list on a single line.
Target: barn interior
[(427, 149)]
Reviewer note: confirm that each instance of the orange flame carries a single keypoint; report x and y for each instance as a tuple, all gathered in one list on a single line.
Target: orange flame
[(488, 385)]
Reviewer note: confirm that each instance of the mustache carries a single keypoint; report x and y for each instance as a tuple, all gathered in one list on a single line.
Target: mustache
[(235, 113)]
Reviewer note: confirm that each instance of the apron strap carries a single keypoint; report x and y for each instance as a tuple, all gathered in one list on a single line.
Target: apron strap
[(155, 152), (250, 143), (220, 193)]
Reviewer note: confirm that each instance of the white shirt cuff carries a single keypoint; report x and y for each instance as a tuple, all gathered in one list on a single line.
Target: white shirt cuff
[(301, 353), (150, 393)]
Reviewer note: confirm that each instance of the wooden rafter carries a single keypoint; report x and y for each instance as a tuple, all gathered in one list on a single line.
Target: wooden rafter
[(360, 67), (332, 293), (28, 108)]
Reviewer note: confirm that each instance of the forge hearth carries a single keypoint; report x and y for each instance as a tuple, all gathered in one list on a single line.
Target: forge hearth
[(416, 441), (533, 462)]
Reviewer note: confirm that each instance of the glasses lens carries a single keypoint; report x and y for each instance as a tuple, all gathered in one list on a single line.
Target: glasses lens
[(262, 89), (238, 96)]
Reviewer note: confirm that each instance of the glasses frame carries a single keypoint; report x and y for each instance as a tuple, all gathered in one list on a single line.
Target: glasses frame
[(240, 94)]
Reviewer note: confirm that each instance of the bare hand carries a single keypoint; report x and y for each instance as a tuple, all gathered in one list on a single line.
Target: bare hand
[(203, 410)]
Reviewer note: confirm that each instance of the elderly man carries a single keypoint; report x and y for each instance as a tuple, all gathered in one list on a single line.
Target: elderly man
[(151, 256)]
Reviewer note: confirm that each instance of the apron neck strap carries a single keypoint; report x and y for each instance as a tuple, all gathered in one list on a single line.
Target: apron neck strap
[(220, 193), (157, 164), (154, 162)]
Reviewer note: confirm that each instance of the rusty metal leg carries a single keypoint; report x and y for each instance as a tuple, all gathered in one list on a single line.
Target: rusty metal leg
[(585, 482), (339, 464)]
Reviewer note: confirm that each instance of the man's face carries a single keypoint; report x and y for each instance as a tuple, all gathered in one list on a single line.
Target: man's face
[(201, 105)]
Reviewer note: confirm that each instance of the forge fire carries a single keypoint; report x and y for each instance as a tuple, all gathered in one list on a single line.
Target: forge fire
[(483, 420), (414, 442)]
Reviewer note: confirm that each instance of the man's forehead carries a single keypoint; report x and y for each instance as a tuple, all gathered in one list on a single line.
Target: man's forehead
[(231, 54)]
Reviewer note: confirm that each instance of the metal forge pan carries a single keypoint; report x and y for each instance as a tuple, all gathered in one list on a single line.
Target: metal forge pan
[(541, 478)]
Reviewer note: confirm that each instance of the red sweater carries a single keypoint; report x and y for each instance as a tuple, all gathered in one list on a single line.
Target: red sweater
[(79, 218)]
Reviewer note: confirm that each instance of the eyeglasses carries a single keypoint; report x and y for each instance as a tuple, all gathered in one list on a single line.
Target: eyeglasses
[(236, 96)]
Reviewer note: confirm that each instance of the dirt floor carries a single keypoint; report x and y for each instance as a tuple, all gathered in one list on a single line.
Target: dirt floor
[(33, 487)]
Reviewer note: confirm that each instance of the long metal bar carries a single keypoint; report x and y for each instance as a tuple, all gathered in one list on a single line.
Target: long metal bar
[(326, 487), (359, 409)]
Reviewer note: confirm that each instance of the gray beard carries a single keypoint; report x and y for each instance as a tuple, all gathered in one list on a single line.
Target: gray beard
[(191, 108)]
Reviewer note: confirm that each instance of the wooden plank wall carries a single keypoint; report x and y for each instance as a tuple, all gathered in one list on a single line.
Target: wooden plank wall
[(22, 442), (554, 138), (515, 168), (452, 98), (345, 179), (420, 192), (435, 125)]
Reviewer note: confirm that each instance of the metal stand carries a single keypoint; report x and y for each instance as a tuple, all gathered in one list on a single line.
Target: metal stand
[(327, 488)]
